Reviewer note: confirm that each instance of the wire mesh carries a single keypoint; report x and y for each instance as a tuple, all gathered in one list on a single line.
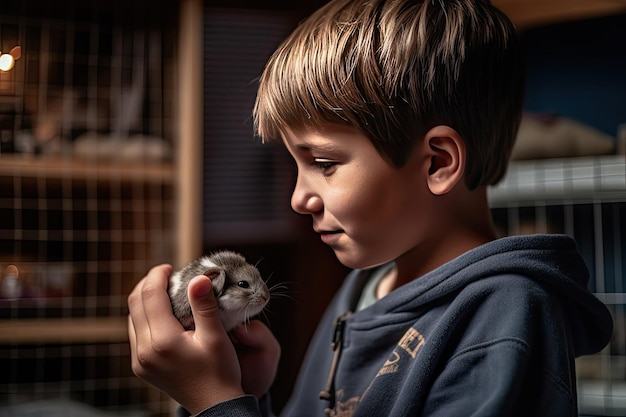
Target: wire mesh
[(86, 200)]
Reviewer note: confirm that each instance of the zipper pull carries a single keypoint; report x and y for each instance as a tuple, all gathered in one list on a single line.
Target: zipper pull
[(329, 392)]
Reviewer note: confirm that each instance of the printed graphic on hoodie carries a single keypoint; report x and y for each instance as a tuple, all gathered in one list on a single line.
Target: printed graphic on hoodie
[(410, 343)]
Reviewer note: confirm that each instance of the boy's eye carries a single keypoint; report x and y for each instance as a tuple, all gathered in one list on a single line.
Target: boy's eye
[(323, 164)]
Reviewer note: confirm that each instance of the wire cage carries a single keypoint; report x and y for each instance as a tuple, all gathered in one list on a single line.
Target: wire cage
[(86, 199)]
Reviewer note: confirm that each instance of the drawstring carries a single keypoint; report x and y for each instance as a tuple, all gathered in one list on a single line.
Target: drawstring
[(336, 345)]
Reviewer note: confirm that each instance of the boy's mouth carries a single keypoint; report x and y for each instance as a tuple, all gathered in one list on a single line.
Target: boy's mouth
[(329, 236), (327, 232)]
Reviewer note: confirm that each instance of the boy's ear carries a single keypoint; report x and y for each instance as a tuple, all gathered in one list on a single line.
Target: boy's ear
[(446, 151)]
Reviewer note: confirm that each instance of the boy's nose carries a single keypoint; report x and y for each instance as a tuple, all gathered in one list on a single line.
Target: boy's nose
[(304, 200)]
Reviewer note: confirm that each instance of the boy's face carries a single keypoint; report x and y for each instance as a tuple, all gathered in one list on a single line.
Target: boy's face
[(368, 211)]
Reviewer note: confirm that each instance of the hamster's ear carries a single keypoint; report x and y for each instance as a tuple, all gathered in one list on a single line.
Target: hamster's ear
[(447, 155), (217, 277)]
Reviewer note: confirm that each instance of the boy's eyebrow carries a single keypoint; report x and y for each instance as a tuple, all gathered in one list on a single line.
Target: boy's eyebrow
[(308, 147)]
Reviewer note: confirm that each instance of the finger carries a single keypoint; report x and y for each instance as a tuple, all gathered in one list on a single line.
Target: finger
[(138, 325), (258, 353), (132, 339), (204, 306), (256, 335), (135, 298), (131, 332), (249, 334), (151, 313), (156, 303)]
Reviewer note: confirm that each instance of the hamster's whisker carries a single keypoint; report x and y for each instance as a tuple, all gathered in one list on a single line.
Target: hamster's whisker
[(278, 286), (258, 262), (266, 318), (269, 278), (283, 295), (280, 290)]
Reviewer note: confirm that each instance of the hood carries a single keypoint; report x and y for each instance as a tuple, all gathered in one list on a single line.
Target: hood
[(551, 260)]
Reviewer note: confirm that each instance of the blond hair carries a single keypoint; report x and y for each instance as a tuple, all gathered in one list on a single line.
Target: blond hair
[(396, 68)]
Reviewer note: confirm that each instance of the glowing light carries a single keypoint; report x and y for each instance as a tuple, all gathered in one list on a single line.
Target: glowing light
[(6, 62)]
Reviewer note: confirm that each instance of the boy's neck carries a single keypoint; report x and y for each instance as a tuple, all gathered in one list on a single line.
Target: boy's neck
[(471, 228)]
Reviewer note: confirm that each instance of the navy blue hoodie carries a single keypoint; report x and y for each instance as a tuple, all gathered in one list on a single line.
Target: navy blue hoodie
[(493, 332)]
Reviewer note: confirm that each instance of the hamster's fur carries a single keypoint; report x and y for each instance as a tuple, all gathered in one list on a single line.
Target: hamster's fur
[(239, 288)]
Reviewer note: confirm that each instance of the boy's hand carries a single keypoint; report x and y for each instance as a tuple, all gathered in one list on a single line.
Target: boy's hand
[(196, 368), (259, 353)]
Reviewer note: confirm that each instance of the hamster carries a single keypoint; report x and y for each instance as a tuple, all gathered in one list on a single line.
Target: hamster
[(238, 286)]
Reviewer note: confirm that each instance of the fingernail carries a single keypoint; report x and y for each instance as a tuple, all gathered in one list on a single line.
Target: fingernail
[(204, 289)]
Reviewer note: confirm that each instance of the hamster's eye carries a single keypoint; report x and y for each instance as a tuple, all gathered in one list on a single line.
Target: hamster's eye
[(243, 284)]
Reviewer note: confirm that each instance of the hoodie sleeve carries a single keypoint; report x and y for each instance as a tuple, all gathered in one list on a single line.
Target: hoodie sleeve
[(244, 406)]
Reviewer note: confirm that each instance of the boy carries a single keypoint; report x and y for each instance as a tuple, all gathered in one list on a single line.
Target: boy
[(398, 114)]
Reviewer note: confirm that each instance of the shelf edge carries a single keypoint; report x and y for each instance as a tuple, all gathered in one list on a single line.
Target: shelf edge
[(63, 330)]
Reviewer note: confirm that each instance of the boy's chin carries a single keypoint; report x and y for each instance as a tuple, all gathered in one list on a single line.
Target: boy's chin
[(355, 262)]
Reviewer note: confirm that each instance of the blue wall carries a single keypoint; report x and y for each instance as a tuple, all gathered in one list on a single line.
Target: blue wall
[(578, 70)]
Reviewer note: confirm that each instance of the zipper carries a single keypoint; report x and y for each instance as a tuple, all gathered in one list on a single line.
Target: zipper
[(329, 392)]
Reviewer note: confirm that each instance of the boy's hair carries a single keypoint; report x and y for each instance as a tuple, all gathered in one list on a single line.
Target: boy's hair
[(396, 68)]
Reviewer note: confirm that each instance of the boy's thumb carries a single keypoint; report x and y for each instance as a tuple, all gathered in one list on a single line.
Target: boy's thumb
[(203, 303)]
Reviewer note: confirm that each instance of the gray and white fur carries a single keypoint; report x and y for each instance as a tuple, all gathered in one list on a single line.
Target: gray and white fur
[(238, 286)]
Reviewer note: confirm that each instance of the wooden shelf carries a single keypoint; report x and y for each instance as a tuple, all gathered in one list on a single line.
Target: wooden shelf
[(68, 168), (527, 13), (63, 330)]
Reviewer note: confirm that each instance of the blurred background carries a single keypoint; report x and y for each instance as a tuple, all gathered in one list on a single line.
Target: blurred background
[(126, 141)]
